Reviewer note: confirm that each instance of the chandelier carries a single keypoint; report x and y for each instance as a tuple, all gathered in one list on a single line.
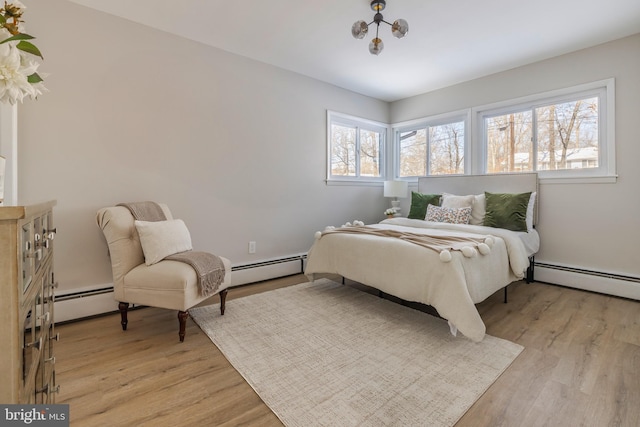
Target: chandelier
[(399, 28)]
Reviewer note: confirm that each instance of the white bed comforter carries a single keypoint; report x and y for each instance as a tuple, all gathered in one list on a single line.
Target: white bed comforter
[(416, 273)]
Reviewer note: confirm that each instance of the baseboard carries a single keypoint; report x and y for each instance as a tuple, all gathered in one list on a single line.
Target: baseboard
[(95, 300), (588, 280), (85, 303), (267, 269)]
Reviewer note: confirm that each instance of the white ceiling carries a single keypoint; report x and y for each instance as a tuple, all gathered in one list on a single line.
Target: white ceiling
[(449, 41)]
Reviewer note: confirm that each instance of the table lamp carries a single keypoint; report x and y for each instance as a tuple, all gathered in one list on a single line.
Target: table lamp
[(396, 189)]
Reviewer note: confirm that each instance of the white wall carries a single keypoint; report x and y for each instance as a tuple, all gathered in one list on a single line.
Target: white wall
[(588, 226), (235, 147)]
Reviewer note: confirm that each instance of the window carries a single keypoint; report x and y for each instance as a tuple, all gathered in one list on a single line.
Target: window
[(431, 146), (356, 148), (565, 134)]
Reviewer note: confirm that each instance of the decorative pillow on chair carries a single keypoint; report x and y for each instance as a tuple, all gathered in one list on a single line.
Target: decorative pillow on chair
[(419, 203), (159, 239), (505, 210), (451, 216)]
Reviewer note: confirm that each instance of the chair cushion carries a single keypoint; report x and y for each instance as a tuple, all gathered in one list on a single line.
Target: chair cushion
[(166, 284)]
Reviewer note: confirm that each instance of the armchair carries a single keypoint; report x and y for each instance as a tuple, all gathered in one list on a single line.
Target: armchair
[(166, 284)]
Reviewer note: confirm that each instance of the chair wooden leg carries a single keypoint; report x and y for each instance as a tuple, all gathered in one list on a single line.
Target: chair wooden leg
[(182, 318), (223, 299), (123, 307)]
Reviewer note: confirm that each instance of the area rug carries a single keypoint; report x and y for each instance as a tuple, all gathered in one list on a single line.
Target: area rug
[(325, 354)]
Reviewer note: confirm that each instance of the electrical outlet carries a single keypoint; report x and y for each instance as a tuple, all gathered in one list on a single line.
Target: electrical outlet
[(252, 247)]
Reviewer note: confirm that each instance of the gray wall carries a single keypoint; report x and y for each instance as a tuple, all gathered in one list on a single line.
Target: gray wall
[(235, 147), (590, 226)]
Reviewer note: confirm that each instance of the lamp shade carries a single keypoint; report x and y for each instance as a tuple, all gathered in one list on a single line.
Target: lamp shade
[(395, 188)]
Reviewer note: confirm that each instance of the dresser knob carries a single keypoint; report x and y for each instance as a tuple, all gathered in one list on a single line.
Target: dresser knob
[(36, 344), (37, 254), (55, 337)]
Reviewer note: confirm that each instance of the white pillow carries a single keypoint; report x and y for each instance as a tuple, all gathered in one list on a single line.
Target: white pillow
[(529, 218), (475, 202), (479, 210), (159, 239), (451, 201)]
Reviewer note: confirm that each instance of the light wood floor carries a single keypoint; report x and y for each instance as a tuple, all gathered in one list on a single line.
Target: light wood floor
[(580, 366)]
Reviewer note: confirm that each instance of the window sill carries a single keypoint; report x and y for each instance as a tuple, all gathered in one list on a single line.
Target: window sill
[(354, 182), (604, 179)]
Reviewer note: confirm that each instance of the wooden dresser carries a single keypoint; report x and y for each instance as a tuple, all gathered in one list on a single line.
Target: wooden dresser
[(27, 285)]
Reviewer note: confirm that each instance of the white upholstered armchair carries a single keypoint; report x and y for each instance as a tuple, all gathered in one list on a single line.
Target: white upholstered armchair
[(170, 284)]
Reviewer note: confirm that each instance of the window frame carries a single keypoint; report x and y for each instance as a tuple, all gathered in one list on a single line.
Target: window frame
[(603, 89), (359, 123), (475, 138), (424, 123)]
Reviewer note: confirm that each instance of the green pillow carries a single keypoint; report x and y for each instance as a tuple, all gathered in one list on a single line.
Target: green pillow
[(505, 210), (419, 203)]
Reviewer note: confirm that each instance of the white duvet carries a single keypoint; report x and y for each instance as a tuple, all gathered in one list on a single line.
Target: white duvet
[(416, 273)]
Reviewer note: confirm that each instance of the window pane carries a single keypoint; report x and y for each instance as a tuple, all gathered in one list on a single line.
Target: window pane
[(343, 150), (446, 149), (568, 135), (413, 153), (509, 142), (370, 152)]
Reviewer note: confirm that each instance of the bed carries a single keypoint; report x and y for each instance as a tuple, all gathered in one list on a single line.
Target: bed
[(449, 266)]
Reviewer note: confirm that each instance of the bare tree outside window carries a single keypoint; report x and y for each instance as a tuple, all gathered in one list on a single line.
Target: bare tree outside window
[(370, 153), (343, 150), (509, 142), (441, 153), (413, 153), (356, 148), (446, 144), (566, 137)]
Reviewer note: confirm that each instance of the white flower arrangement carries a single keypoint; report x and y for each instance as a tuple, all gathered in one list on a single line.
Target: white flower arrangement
[(391, 211), (18, 67)]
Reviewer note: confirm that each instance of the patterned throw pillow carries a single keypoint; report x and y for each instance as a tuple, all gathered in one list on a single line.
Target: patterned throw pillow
[(449, 215)]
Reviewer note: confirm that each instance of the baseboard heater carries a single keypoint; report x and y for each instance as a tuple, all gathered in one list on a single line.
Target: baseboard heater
[(590, 280), (98, 300)]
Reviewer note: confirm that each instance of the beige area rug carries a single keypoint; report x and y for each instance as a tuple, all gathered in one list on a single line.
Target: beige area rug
[(325, 354)]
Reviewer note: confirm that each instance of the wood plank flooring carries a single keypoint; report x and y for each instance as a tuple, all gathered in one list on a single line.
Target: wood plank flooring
[(580, 366)]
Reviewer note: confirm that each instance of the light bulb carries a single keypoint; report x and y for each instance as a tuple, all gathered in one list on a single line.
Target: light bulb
[(359, 29), (400, 28), (376, 46)]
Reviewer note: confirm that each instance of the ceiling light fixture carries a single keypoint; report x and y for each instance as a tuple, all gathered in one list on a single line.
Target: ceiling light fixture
[(399, 28)]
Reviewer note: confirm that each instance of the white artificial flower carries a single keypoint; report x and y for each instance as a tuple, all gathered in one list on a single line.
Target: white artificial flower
[(14, 70), (18, 4)]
